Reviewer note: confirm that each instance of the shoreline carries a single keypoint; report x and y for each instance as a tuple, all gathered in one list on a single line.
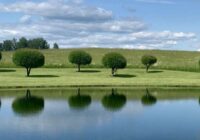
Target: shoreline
[(103, 86)]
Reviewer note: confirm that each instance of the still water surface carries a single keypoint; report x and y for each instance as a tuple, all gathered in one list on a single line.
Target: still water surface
[(100, 114)]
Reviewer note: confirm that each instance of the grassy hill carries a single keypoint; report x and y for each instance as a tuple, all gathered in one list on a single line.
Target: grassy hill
[(174, 60)]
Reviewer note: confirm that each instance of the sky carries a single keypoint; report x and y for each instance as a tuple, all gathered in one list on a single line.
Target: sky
[(130, 24)]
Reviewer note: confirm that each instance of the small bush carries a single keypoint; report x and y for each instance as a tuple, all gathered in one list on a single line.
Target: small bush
[(29, 59), (114, 61), (148, 99), (148, 61), (79, 58), (114, 101), (28, 105)]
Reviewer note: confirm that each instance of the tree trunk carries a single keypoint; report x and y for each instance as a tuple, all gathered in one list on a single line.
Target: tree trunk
[(113, 71), (147, 68), (79, 92), (113, 91), (28, 71), (147, 92), (79, 68), (28, 94)]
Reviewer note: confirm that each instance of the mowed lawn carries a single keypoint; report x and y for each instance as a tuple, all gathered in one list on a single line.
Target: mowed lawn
[(49, 77)]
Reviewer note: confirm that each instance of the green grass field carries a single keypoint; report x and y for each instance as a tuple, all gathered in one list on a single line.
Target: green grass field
[(172, 60), (67, 77)]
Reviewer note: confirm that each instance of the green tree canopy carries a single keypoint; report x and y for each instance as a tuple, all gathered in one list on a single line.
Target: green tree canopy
[(114, 61), (22, 43), (114, 101), (148, 99), (29, 59), (8, 45), (1, 47), (79, 101), (0, 55), (148, 60), (79, 58), (28, 105), (55, 46), (38, 43), (35, 43)]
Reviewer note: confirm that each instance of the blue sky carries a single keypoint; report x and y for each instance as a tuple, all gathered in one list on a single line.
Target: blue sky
[(133, 24)]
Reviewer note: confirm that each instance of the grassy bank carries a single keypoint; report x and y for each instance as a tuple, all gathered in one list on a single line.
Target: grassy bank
[(99, 93), (172, 60), (46, 77)]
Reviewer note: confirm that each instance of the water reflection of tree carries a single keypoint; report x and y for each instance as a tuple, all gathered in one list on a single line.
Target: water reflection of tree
[(79, 101), (148, 99), (114, 101), (28, 105)]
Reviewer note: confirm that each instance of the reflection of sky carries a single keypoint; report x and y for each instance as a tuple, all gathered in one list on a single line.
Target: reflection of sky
[(165, 120), (58, 119)]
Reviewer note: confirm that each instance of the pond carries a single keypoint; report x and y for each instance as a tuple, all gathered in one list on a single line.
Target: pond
[(100, 114)]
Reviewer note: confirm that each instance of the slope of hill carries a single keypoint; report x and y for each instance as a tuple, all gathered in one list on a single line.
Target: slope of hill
[(174, 60)]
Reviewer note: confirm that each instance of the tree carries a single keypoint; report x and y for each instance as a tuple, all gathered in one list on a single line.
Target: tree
[(148, 99), (38, 43), (148, 61), (29, 59), (22, 43), (114, 61), (79, 101), (55, 46), (0, 55), (1, 47), (8, 45), (14, 44), (114, 101), (28, 105), (79, 58)]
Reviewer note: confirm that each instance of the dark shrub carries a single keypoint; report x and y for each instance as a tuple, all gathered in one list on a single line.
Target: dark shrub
[(79, 101), (148, 60), (79, 58), (114, 61), (114, 101), (55, 46), (28, 105), (148, 99), (29, 59)]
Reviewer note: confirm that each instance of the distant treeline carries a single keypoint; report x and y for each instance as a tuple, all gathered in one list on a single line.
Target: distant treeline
[(35, 43)]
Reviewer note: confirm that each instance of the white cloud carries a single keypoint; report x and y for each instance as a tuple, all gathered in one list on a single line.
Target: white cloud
[(25, 19), (74, 24), (59, 10), (113, 40), (98, 34)]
